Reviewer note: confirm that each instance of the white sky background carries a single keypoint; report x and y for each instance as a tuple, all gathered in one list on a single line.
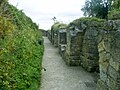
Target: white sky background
[(42, 11)]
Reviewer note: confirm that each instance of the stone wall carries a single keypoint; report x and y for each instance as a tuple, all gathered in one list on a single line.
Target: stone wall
[(90, 55), (62, 41), (54, 32), (62, 38), (74, 45), (44, 32), (109, 57), (55, 43), (49, 35), (82, 45), (95, 45)]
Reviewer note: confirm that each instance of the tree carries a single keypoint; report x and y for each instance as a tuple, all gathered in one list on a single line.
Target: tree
[(97, 8), (54, 19), (116, 4)]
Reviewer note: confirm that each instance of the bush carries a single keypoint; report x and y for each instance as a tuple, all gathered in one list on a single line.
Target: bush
[(114, 14), (20, 53)]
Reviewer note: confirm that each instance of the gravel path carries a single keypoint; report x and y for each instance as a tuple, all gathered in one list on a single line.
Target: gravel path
[(59, 76)]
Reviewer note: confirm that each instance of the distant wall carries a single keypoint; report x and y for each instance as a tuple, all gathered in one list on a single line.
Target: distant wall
[(49, 34), (54, 32), (44, 32)]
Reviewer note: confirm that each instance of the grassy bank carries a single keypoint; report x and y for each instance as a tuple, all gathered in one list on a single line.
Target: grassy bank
[(20, 53)]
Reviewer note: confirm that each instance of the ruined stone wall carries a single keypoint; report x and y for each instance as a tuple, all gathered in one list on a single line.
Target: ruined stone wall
[(62, 38), (54, 32), (90, 55), (49, 35), (54, 35), (62, 42), (109, 57), (82, 45), (74, 45), (95, 45), (44, 32), (55, 38)]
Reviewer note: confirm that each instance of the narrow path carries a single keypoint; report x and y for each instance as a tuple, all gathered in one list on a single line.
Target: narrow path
[(59, 76)]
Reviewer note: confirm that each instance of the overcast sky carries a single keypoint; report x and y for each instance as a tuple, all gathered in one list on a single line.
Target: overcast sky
[(42, 11)]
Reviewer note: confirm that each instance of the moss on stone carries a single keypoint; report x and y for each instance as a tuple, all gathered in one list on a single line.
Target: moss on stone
[(58, 26), (88, 21)]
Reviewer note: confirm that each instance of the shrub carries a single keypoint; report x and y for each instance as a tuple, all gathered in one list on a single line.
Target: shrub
[(20, 53)]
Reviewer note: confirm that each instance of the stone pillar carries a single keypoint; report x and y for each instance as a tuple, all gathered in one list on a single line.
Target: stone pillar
[(52, 34), (62, 42), (90, 55), (109, 57), (74, 46), (62, 36), (55, 39)]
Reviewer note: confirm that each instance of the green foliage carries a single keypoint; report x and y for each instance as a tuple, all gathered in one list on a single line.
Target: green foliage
[(6, 27), (116, 4), (97, 8), (88, 21), (20, 53), (106, 9), (114, 14), (58, 26)]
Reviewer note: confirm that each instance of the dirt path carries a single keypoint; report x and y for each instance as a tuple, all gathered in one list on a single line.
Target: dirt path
[(59, 76)]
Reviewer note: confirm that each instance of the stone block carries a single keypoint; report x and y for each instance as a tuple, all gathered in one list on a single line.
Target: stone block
[(89, 65), (104, 67), (115, 64), (74, 63), (115, 52), (101, 85), (104, 57), (103, 76), (113, 73), (112, 84), (104, 45), (101, 47)]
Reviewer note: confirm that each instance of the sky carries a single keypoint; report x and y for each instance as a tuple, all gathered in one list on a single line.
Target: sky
[(42, 11)]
